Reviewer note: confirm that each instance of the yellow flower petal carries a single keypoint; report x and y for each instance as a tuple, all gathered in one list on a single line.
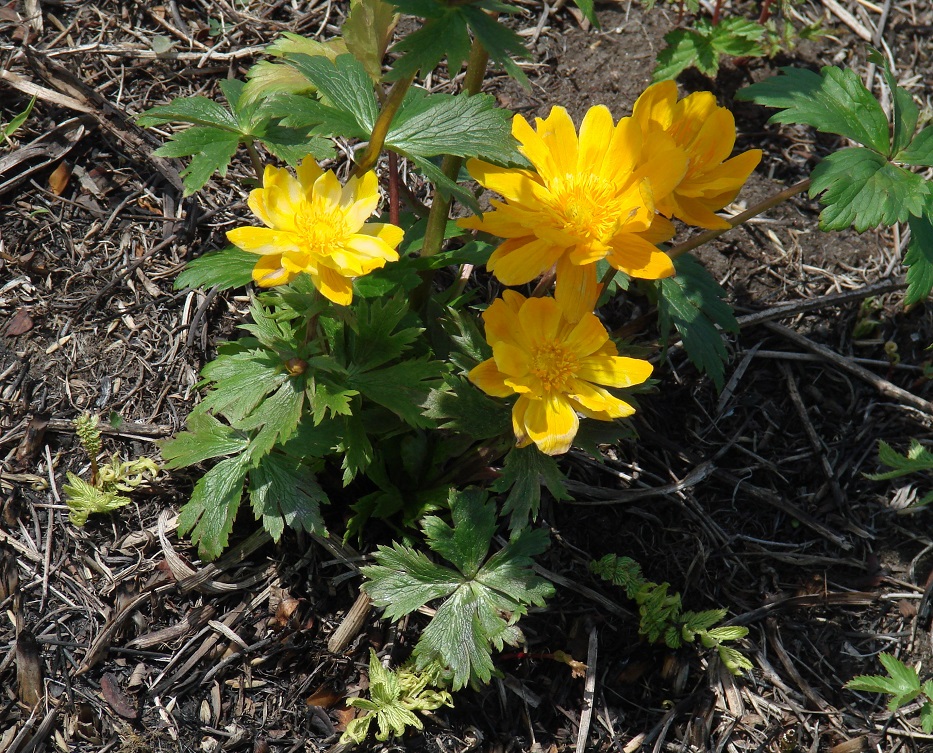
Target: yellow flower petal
[(598, 401), (614, 371), (511, 183), (640, 258), (577, 289), (333, 286), (655, 107), (518, 265), (560, 136), (327, 189), (269, 271), (624, 152), (551, 423), (534, 148), (511, 359), (360, 196), (489, 379), (263, 240), (391, 235), (596, 133), (308, 171), (540, 319), (588, 336)]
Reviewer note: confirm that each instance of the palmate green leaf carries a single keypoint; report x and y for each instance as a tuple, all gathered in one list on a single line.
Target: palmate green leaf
[(734, 660), (225, 269), (241, 380), (443, 35), (355, 445), (926, 717), (84, 499), (469, 623), (345, 84), (210, 149), (378, 336), (703, 45), (905, 111), (919, 151), (302, 112), (501, 42), (525, 470), (428, 125), (367, 32), (919, 260), (832, 101), (205, 438), (917, 460), (199, 111), (402, 387), (291, 145), (861, 188), (462, 407), (282, 493), (692, 302), (276, 418), (902, 682), (326, 398), (209, 514)]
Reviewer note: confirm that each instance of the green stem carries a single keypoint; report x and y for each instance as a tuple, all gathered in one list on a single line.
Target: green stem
[(440, 207), (255, 160), (778, 198), (381, 129)]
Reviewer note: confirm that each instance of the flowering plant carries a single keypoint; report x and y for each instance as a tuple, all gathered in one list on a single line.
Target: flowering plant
[(369, 360)]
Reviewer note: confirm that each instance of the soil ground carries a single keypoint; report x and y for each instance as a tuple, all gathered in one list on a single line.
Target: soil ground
[(754, 499)]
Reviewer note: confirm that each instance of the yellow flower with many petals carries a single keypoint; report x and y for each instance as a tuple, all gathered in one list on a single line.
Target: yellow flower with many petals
[(556, 367), (706, 133), (589, 198), (315, 225)]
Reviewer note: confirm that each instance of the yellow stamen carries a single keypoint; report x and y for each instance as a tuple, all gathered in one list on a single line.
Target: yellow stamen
[(554, 365)]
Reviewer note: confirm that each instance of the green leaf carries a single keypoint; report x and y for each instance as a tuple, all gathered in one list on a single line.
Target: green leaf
[(734, 660), (462, 407), (199, 111), (205, 438), (428, 125), (905, 112), (356, 448), (926, 717), (703, 45), (84, 499), (302, 112), (523, 474), (276, 417), (209, 514), (444, 35), (917, 460), (401, 388), (902, 682), (587, 8), (620, 571), (469, 622), (17, 121), (326, 398), (345, 84), (283, 493), (210, 149), (919, 260), (225, 269), (832, 101), (292, 145), (919, 151), (378, 336), (699, 621), (367, 32), (728, 632), (861, 188), (241, 381), (692, 302), (501, 42)]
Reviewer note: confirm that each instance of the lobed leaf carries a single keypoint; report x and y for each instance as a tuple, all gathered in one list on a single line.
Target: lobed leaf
[(210, 149), (524, 472), (861, 188), (832, 101), (205, 438), (283, 493), (919, 260), (225, 269), (692, 302), (208, 516)]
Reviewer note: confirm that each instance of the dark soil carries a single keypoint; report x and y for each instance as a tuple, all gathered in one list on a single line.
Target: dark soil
[(759, 500)]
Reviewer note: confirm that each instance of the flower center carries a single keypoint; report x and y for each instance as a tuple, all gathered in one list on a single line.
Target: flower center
[(588, 206), (554, 365), (323, 227)]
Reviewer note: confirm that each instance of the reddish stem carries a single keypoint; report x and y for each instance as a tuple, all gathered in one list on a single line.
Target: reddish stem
[(765, 11), (393, 188), (716, 9)]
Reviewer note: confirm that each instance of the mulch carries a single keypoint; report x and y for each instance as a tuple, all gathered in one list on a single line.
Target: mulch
[(754, 499)]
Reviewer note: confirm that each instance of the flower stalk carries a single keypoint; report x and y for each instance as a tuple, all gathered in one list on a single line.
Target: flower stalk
[(381, 129)]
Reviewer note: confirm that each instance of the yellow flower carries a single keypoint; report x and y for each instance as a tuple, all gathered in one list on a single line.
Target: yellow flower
[(556, 367), (706, 133), (315, 225), (589, 198)]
